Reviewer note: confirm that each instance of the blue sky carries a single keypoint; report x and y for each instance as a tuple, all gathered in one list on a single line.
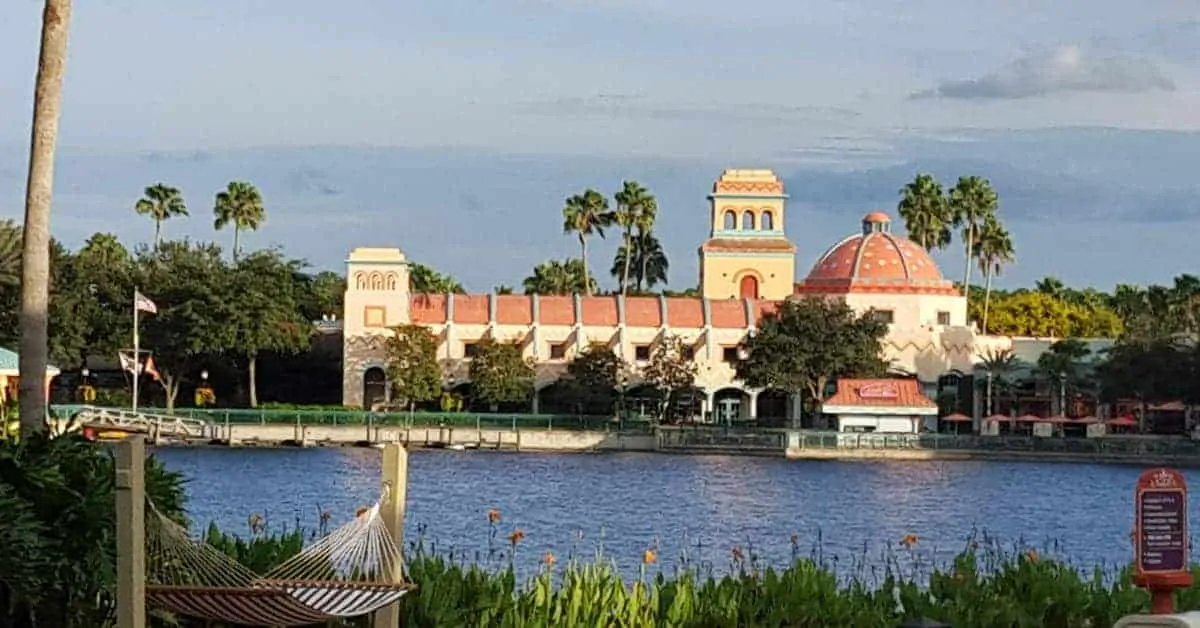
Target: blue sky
[(1083, 113)]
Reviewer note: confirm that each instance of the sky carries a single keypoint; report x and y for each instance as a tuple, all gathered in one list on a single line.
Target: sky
[(454, 129)]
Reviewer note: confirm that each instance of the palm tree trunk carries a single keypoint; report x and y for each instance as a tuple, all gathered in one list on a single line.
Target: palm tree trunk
[(587, 283), (157, 232), (35, 255), (967, 271), (625, 273), (987, 296), (643, 259), (236, 237), (252, 371)]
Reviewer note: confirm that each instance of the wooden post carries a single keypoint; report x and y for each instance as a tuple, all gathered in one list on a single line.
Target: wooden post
[(395, 480), (131, 533)]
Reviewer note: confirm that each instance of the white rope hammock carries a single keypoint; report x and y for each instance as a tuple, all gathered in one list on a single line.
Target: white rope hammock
[(355, 570)]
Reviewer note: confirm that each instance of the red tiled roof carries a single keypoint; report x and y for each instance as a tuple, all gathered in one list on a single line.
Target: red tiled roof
[(427, 309), (643, 312), (685, 312), (471, 309), (513, 309), (728, 313), (880, 393), (599, 311), (556, 310), (762, 308)]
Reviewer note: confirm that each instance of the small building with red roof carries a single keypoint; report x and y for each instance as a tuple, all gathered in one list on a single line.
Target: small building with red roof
[(889, 406)]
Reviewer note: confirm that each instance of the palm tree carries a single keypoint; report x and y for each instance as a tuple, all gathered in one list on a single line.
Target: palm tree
[(995, 249), (586, 214), (1063, 364), (926, 212), (558, 277), (998, 366), (972, 202), (242, 206), (634, 203), (10, 254), (649, 262), (160, 202), (35, 254)]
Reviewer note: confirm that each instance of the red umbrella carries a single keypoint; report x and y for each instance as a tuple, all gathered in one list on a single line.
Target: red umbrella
[(956, 418), (1122, 421)]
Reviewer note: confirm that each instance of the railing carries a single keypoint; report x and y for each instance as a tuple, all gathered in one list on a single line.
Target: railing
[(383, 419), (166, 425), (722, 438), (1102, 446)]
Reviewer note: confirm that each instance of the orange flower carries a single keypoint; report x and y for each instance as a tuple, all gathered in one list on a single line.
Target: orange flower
[(326, 515), (361, 511), (549, 559), (737, 553), (795, 539), (908, 540), (1032, 556), (649, 557), (517, 536), (493, 516)]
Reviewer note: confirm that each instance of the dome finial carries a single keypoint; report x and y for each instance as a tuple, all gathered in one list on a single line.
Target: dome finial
[(876, 222)]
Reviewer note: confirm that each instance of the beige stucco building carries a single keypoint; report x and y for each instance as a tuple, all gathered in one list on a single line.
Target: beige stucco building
[(747, 266)]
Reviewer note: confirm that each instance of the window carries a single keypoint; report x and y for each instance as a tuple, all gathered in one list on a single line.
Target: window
[(768, 221), (558, 351), (729, 354), (689, 353), (883, 316), (943, 318), (748, 221), (374, 316), (730, 220), (470, 349), (641, 353)]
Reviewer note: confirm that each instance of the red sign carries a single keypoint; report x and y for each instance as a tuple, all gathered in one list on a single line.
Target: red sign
[(881, 390), (1160, 535)]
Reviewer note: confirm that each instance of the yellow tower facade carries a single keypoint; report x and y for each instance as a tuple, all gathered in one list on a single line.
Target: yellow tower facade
[(747, 255)]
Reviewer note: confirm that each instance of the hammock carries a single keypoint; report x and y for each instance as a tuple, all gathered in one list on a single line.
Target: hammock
[(355, 570)]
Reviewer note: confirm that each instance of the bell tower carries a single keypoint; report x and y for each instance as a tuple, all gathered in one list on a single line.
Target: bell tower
[(747, 255)]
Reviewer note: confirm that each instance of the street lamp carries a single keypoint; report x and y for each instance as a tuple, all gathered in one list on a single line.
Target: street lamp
[(1062, 394), (988, 402), (743, 352), (84, 373), (204, 375)]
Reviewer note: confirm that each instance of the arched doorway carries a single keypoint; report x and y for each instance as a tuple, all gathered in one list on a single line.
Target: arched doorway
[(374, 386), (773, 407), (730, 405), (749, 287)]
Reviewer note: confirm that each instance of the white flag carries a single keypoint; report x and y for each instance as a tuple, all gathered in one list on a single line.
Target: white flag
[(128, 363), (143, 304)]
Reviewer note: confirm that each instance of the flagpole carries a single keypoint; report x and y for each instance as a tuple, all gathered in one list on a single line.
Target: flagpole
[(137, 354)]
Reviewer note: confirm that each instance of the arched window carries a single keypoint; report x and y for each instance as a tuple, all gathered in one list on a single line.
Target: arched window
[(730, 220), (376, 281), (374, 386), (749, 287), (390, 284), (748, 221), (768, 221), (360, 281)]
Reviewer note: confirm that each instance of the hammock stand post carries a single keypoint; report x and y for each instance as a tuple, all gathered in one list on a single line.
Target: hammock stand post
[(395, 480), (131, 532)]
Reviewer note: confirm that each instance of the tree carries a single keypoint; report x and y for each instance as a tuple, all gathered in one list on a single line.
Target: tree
[(1062, 367), (648, 260), (240, 205), (995, 249), (585, 215), (1148, 371), (423, 279), (93, 290), (559, 277), (804, 344), (593, 380), (320, 294), (672, 371), (11, 236), (161, 202), (413, 365), (193, 289), (35, 255), (926, 212), (972, 203), (636, 209), (266, 312), (500, 373), (502, 289)]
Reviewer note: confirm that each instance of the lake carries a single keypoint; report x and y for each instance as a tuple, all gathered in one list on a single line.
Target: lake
[(700, 507)]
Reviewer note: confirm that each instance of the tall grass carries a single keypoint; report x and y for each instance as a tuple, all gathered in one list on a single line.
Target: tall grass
[(987, 584)]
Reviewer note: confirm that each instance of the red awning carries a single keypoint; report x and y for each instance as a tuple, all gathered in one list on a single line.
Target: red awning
[(999, 417), (957, 418), (1122, 421), (1031, 418)]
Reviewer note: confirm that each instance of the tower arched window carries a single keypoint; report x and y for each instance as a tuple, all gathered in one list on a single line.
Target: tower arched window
[(748, 221), (768, 221), (730, 220)]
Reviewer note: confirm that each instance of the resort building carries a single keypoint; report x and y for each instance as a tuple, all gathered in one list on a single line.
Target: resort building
[(747, 266)]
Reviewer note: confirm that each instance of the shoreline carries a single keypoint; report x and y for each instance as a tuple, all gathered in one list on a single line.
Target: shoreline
[(768, 445)]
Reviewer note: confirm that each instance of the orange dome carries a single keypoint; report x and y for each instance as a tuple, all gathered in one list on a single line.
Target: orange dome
[(876, 261)]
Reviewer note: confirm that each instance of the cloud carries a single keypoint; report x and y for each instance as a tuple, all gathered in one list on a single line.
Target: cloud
[(1065, 69), (630, 106)]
